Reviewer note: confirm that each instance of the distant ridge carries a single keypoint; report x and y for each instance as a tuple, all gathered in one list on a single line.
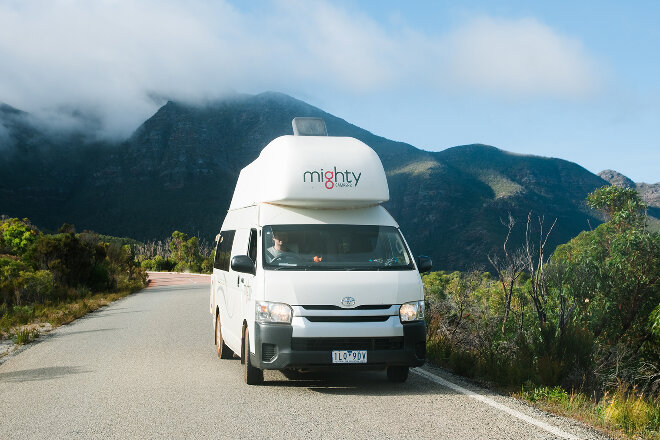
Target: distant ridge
[(649, 193), (617, 179)]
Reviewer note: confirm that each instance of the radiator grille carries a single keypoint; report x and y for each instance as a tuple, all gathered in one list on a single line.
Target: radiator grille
[(364, 307), (381, 318), (328, 344)]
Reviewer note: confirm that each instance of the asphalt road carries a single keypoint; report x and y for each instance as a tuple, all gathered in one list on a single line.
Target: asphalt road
[(146, 367)]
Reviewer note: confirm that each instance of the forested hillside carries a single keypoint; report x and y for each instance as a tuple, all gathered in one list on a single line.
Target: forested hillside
[(178, 171)]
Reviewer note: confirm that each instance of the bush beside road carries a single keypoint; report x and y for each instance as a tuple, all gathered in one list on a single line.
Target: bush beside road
[(47, 280), (578, 332)]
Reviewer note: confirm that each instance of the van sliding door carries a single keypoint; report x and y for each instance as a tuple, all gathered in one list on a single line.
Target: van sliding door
[(240, 287)]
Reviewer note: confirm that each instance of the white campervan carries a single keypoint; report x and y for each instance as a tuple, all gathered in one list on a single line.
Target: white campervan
[(310, 270)]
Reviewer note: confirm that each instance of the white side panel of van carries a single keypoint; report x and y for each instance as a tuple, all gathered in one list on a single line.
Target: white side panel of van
[(218, 297), (235, 282), (241, 218)]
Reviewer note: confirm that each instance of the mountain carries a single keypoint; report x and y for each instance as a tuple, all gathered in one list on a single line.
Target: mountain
[(178, 171), (617, 179), (650, 193)]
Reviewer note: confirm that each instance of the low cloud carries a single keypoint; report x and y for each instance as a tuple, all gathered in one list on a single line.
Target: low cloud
[(519, 57), (107, 60), (4, 136)]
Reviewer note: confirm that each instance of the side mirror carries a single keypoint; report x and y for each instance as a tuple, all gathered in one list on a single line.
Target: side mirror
[(243, 263), (424, 264)]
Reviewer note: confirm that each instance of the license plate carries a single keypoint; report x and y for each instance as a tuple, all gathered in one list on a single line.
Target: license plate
[(349, 356)]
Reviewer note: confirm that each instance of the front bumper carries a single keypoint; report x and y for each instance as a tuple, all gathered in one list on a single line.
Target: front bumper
[(276, 348)]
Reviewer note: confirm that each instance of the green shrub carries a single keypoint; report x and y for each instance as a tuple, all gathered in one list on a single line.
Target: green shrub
[(73, 261), (16, 236), (438, 349), (23, 313), (549, 394), (158, 264), (83, 292), (463, 363), (207, 265), (187, 267), (25, 335), (15, 315), (549, 369), (34, 287), (654, 320)]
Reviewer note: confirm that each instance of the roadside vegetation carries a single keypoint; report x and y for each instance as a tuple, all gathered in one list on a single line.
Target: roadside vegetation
[(579, 329), (179, 253), (576, 332), (51, 279)]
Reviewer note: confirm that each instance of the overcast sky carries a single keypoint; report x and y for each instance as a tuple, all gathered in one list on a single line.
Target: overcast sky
[(574, 80)]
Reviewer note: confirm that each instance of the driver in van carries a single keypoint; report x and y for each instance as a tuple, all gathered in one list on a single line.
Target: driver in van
[(279, 246)]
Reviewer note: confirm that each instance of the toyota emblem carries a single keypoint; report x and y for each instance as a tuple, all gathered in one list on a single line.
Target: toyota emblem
[(348, 301)]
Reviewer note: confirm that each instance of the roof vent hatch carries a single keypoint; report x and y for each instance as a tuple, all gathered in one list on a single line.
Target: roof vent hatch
[(309, 127)]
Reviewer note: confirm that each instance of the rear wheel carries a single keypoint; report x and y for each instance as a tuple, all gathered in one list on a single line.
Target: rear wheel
[(251, 374), (397, 374), (224, 352)]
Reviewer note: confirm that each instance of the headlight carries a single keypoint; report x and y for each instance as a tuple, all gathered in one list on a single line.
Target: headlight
[(269, 312), (412, 311)]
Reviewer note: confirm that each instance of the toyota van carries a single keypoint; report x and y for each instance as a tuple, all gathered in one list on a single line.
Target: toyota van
[(310, 271)]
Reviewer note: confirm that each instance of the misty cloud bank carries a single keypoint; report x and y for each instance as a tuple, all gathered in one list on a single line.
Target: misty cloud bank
[(4, 136), (108, 65)]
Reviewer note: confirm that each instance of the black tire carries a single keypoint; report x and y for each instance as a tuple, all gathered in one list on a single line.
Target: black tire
[(397, 374), (224, 352), (251, 374)]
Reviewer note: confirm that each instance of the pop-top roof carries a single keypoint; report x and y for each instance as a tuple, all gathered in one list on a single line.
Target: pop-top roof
[(315, 172)]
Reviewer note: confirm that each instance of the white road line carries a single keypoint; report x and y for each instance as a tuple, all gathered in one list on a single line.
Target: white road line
[(488, 401)]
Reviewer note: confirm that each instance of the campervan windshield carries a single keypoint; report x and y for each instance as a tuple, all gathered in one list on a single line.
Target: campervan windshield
[(334, 247)]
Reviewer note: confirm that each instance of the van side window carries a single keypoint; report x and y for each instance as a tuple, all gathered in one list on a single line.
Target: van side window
[(223, 251), (252, 246)]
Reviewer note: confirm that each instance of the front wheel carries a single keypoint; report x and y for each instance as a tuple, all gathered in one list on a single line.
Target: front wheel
[(397, 374), (251, 374)]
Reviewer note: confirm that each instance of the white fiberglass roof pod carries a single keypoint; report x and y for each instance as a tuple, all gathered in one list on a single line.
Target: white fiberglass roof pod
[(313, 172)]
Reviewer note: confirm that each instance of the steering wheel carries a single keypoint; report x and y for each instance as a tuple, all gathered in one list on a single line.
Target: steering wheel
[(286, 258)]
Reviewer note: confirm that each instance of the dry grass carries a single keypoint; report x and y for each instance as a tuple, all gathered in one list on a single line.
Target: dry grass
[(622, 414), (65, 313), (633, 414), (23, 324)]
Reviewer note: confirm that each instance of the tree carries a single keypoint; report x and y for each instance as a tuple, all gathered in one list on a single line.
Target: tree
[(612, 275), (176, 245), (614, 270), (72, 261), (508, 269), (622, 206), (185, 252), (534, 262), (16, 235)]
